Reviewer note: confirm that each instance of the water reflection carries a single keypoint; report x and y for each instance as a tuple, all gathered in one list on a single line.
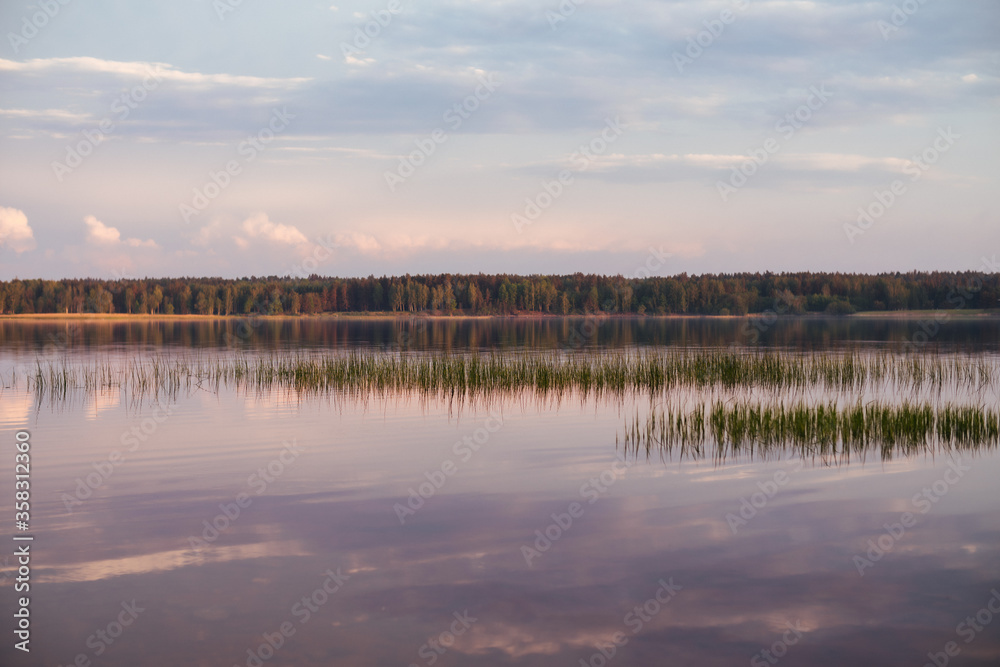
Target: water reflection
[(403, 585), (447, 334), (755, 546)]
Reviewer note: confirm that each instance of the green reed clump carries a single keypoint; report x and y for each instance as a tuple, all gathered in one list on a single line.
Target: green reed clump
[(667, 429), (544, 372), (823, 429), (965, 426)]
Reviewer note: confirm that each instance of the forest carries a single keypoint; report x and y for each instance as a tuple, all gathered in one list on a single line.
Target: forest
[(451, 294)]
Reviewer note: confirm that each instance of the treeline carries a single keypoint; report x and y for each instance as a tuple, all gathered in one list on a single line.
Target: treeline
[(721, 294)]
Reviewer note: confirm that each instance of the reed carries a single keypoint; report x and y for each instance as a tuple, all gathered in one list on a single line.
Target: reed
[(824, 429), (649, 372)]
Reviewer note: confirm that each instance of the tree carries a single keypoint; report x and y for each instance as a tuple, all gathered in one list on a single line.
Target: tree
[(838, 307), (183, 300), (228, 299), (395, 297), (507, 296), (473, 294), (449, 301), (100, 300), (203, 302), (311, 304), (156, 299), (474, 299), (294, 303)]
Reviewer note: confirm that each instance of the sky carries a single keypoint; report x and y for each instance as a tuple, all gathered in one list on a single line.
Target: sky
[(255, 137)]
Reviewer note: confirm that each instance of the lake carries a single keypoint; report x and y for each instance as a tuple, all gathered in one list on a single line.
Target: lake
[(188, 507)]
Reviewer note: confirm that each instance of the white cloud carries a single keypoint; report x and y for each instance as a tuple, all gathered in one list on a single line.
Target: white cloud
[(361, 242), (100, 234), (207, 233), (142, 70), (15, 233), (842, 162), (259, 226), (47, 114)]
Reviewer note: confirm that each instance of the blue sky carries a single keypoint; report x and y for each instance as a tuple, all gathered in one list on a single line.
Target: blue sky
[(228, 138)]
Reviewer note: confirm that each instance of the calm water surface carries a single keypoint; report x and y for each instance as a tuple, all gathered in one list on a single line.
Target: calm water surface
[(412, 530)]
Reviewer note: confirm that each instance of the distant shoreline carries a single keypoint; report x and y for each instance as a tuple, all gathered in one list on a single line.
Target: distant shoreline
[(355, 316)]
